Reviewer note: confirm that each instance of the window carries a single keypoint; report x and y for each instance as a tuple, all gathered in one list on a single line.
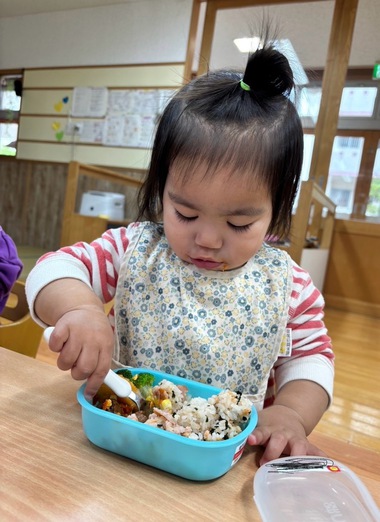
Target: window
[(373, 206), (10, 103), (358, 101), (354, 174), (343, 172)]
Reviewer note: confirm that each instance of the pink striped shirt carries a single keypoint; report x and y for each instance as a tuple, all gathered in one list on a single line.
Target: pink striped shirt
[(98, 264)]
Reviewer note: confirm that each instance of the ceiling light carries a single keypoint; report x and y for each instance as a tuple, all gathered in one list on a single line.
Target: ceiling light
[(250, 45), (247, 45)]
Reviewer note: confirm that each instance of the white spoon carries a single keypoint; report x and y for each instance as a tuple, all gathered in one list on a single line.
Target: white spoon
[(118, 385)]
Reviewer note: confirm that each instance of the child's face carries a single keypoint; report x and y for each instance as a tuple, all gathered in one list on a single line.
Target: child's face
[(217, 223)]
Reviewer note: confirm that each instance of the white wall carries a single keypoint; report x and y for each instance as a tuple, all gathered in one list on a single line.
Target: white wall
[(307, 25), (153, 31), (136, 32)]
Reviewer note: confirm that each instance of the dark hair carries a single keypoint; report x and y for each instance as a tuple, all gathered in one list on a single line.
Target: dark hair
[(256, 132)]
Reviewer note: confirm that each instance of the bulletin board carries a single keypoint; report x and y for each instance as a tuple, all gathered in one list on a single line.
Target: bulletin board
[(97, 115)]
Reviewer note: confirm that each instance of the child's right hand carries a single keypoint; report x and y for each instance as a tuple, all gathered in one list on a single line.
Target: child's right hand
[(84, 340)]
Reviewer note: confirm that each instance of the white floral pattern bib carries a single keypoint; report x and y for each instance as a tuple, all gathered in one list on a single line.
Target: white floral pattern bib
[(220, 328)]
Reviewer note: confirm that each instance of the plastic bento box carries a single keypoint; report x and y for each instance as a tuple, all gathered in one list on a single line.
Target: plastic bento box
[(187, 458), (311, 488)]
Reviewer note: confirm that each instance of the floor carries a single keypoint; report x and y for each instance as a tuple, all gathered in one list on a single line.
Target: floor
[(354, 415)]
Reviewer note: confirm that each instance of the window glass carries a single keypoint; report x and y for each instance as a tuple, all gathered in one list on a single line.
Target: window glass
[(356, 102), (9, 100), (8, 139), (308, 144), (10, 103), (309, 102), (373, 206), (343, 172)]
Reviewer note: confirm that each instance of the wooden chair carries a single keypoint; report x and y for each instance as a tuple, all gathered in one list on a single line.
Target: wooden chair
[(18, 331), (314, 218)]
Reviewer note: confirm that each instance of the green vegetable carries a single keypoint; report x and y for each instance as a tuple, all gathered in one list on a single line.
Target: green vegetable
[(140, 380), (143, 380), (126, 373)]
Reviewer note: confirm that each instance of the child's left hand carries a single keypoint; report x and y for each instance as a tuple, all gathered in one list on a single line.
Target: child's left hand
[(281, 431)]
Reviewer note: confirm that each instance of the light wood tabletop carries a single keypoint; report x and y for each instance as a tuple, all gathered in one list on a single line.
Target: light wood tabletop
[(51, 472)]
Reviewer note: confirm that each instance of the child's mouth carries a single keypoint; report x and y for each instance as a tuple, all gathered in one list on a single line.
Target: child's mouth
[(206, 264)]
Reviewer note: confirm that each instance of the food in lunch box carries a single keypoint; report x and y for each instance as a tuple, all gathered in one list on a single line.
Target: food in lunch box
[(169, 407)]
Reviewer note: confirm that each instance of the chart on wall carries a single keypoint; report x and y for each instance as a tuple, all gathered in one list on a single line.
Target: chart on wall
[(98, 115), (127, 117)]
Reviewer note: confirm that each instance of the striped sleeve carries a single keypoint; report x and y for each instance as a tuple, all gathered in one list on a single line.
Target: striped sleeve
[(102, 259), (306, 313), (96, 264), (312, 357)]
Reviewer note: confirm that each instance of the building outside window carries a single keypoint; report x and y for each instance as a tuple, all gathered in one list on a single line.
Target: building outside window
[(10, 103), (353, 150), (343, 172)]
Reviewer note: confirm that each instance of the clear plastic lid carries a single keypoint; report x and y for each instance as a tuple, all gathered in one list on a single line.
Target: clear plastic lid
[(307, 488)]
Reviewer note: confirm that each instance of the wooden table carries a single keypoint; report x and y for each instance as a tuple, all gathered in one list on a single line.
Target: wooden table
[(51, 472)]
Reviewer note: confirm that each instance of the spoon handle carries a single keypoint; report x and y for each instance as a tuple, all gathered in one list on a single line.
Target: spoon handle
[(47, 333), (120, 386)]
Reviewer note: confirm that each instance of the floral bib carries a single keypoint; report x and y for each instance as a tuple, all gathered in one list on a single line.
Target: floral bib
[(220, 328)]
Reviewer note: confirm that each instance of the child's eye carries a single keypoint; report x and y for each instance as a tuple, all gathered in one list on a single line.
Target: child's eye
[(241, 228), (186, 219)]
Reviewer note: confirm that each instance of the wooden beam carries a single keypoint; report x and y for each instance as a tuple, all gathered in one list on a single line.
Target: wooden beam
[(334, 75), (332, 86), (191, 40), (207, 37), (232, 4), (212, 7)]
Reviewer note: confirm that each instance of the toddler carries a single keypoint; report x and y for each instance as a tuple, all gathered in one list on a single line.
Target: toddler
[(197, 291)]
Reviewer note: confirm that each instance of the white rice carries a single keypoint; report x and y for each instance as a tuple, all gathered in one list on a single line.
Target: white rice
[(198, 414), (175, 394), (220, 417)]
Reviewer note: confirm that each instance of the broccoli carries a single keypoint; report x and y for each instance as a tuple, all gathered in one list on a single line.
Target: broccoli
[(127, 374), (140, 380), (143, 380)]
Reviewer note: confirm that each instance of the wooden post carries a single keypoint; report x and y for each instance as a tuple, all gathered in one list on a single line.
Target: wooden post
[(207, 37), (191, 40), (70, 199), (332, 86)]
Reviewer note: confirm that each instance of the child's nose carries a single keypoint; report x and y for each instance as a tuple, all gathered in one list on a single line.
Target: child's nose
[(208, 237)]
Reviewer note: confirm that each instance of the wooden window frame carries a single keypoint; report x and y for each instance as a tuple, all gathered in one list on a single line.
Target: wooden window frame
[(334, 74)]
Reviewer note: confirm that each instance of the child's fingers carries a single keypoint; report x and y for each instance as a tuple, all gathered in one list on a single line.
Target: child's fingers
[(85, 364), (258, 437), (79, 357), (55, 340), (96, 380), (275, 447)]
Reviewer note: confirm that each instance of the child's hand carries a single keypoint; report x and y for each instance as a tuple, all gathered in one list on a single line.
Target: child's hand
[(281, 431), (84, 340)]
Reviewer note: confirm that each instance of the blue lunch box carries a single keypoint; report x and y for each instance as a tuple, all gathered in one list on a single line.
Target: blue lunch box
[(187, 458)]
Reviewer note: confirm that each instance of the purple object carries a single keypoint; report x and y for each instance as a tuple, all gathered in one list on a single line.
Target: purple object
[(10, 266)]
